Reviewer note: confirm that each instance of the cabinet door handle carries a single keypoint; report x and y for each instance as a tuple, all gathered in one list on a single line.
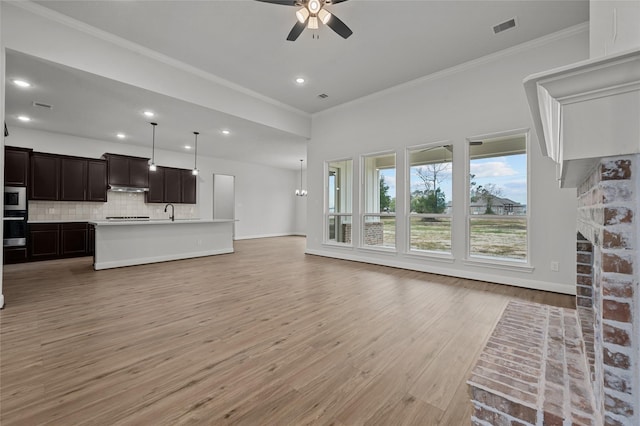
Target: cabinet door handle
[(13, 218)]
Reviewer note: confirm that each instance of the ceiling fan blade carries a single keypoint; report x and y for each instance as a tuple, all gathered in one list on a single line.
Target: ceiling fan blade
[(337, 1), (297, 30), (339, 27), (282, 2)]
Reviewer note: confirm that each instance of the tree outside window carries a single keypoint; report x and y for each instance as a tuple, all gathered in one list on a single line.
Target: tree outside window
[(430, 186)]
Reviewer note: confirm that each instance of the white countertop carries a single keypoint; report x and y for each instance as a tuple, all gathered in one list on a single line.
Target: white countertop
[(60, 221), (156, 222)]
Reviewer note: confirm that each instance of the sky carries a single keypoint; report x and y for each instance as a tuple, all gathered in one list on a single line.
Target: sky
[(509, 173)]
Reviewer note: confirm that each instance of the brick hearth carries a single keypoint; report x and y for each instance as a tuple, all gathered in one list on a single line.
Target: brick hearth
[(533, 370)]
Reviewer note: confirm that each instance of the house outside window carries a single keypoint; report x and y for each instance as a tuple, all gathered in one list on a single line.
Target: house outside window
[(379, 201), (498, 194), (338, 203), (430, 170)]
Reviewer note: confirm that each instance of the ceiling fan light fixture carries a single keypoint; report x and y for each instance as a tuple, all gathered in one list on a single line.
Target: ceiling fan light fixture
[(314, 6), (324, 16), (313, 23), (302, 15)]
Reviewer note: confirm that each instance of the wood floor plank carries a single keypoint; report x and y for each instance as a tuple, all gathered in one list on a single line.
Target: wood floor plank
[(267, 335)]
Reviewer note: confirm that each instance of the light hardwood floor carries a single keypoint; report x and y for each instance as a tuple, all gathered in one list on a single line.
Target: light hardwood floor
[(265, 336)]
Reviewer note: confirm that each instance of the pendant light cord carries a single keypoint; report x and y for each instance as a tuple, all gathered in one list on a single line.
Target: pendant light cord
[(195, 160), (153, 142)]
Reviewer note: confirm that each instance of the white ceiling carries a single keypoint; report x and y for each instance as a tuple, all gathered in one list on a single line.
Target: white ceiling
[(90, 106), (243, 42)]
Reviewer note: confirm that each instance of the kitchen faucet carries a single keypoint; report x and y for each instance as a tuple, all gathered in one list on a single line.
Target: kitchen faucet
[(172, 217)]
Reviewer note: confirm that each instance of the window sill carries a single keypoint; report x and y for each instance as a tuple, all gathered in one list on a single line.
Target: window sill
[(430, 255), (496, 264), (382, 250), (337, 245)]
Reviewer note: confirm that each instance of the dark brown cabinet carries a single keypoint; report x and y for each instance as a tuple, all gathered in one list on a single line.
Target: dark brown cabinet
[(45, 177), (91, 240), (172, 185), (58, 240), (73, 239), (128, 171), (73, 179), (64, 178), (188, 187), (96, 180), (156, 186), (43, 241), (14, 255), (16, 166)]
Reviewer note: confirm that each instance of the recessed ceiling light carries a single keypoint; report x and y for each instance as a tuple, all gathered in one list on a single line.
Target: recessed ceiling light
[(300, 80), (121, 136), (21, 83), (149, 113), (226, 132), (187, 147), (23, 118)]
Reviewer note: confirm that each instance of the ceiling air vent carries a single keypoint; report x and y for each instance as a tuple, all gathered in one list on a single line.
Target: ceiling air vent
[(323, 96), (42, 105), (511, 23)]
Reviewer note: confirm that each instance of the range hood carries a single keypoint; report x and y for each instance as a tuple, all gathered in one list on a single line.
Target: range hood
[(118, 188)]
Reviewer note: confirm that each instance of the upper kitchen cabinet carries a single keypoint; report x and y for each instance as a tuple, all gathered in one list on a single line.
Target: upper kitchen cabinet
[(156, 186), (188, 187), (172, 185), (96, 180), (16, 166), (131, 172), (45, 177), (73, 179), (64, 178)]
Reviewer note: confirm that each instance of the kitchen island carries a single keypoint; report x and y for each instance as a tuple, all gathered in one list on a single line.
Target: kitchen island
[(127, 243)]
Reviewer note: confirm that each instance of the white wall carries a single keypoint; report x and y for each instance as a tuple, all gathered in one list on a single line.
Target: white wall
[(478, 98), (614, 26), (1, 150), (265, 200)]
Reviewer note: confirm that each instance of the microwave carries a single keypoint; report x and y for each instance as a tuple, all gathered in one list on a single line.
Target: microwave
[(15, 198)]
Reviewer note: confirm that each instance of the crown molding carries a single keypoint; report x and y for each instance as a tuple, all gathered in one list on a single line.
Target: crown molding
[(465, 66)]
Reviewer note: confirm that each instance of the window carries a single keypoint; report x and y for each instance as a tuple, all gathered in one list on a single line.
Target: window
[(430, 187), (379, 201), (338, 202), (498, 198)]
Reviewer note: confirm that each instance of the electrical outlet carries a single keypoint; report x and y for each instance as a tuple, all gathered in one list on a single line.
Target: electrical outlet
[(555, 266)]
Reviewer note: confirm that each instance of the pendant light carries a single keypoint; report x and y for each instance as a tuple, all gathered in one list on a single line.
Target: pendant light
[(301, 192), (195, 159), (152, 166)]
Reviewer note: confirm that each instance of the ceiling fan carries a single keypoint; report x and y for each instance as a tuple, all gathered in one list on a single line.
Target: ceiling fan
[(312, 11)]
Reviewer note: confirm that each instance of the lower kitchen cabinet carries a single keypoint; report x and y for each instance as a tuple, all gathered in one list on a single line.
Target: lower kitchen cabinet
[(14, 255), (59, 240), (73, 239), (43, 241)]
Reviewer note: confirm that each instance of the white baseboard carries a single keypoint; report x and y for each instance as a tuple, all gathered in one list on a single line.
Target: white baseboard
[(253, 237), (458, 273), (156, 259)]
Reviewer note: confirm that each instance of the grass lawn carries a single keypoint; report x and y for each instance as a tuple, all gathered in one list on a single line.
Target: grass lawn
[(505, 237)]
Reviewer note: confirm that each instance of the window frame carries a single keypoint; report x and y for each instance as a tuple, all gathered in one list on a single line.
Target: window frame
[(490, 261), (363, 213), (326, 213), (409, 215)]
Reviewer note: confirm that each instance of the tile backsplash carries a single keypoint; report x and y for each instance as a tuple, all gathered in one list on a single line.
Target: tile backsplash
[(118, 204)]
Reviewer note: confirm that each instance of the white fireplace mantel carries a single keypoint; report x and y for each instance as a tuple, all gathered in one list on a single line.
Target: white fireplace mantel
[(586, 111)]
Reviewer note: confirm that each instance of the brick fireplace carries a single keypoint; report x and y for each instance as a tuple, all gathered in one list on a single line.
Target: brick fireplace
[(606, 260), (552, 366)]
